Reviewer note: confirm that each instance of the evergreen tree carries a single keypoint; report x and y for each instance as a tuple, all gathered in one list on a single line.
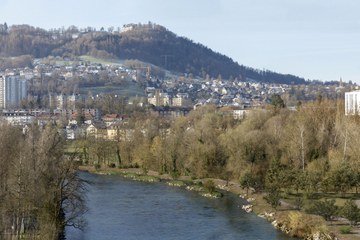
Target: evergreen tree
[(351, 212)]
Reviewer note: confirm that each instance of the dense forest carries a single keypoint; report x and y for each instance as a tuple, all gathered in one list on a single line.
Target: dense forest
[(40, 191), (146, 42)]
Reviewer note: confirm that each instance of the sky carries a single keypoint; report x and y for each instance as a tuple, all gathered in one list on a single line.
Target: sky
[(313, 39)]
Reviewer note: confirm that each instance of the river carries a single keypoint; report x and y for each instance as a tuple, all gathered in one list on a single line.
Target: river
[(124, 209)]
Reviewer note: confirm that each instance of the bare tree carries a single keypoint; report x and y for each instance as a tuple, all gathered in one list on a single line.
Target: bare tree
[(41, 191)]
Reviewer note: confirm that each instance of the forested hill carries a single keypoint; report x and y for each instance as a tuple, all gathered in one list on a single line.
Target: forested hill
[(146, 42)]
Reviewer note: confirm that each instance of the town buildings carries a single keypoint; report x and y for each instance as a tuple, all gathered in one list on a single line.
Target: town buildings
[(71, 95), (160, 98), (63, 101)]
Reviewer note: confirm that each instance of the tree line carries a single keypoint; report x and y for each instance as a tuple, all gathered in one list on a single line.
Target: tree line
[(40, 190)]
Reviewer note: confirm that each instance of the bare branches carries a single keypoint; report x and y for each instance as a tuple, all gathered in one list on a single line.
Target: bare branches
[(40, 190)]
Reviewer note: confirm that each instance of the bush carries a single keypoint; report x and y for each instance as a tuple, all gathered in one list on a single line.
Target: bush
[(209, 186), (299, 202), (302, 224), (345, 229), (175, 174), (327, 209), (309, 195), (273, 197), (112, 165), (97, 166), (248, 181), (351, 212)]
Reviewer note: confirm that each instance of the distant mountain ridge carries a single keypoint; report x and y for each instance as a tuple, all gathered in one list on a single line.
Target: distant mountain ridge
[(146, 42)]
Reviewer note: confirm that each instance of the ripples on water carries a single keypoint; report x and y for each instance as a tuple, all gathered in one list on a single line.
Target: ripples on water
[(129, 210)]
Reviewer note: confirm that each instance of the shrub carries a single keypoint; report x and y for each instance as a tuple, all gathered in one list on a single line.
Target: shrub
[(97, 166), (302, 224), (112, 165), (327, 209), (351, 212), (299, 202), (248, 181), (345, 229), (175, 174), (273, 197), (209, 186)]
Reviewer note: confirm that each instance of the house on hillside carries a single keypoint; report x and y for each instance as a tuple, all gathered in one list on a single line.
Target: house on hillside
[(96, 130), (72, 132), (236, 112), (110, 119), (171, 112), (18, 118), (118, 132)]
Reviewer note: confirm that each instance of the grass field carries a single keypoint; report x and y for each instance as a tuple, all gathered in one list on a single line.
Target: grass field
[(101, 61), (340, 199), (128, 90)]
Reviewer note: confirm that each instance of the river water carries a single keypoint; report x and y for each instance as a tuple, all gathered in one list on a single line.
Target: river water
[(124, 209)]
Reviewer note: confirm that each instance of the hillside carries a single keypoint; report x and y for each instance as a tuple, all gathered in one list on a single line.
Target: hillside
[(146, 42)]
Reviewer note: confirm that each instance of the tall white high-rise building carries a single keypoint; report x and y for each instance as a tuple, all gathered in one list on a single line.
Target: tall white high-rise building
[(61, 101), (12, 91), (2, 91), (352, 103)]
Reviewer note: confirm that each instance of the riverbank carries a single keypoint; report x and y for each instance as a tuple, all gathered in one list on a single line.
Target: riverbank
[(284, 217), (136, 210)]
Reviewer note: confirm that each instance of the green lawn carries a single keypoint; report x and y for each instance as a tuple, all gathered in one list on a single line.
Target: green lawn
[(340, 199), (129, 90), (101, 61)]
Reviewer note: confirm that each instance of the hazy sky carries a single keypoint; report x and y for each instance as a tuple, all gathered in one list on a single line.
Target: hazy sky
[(314, 39)]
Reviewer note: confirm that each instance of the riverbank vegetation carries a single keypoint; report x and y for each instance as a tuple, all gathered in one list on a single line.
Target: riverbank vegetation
[(304, 157), (40, 191)]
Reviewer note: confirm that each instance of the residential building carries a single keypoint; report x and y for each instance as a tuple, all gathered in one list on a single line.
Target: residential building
[(240, 113), (171, 112), (352, 103), (2, 91), (13, 89), (18, 118), (52, 100), (160, 99), (110, 119), (71, 101), (97, 130), (72, 131), (61, 101), (181, 100), (116, 132)]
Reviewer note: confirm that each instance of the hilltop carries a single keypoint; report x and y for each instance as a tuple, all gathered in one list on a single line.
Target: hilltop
[(150, 43)]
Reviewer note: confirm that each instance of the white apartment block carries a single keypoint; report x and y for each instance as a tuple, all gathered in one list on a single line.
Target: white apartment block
[(13, 89), (63, 101), (2, 91), (352, 103), (163, 99), (181, 102), (160, 99), (18, 118), (240, 114)]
